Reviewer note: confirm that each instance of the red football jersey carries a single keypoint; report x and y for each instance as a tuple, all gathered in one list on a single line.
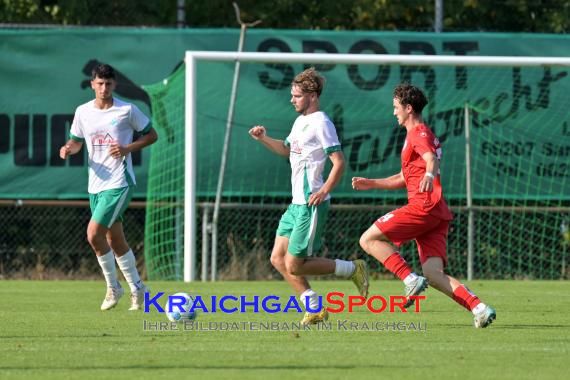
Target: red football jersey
[(419, 141)]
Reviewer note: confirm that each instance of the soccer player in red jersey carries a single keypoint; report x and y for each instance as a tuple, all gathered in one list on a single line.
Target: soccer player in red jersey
[(424, 219)]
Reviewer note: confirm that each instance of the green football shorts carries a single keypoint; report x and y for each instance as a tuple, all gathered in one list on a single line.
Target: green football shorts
[(108, 206), (303, 225)]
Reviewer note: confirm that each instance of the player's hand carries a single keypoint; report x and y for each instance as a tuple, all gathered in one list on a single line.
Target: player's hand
[(117, 151), (258, 132), (426, 185), (64, 151), (317, 198), (361, 183)]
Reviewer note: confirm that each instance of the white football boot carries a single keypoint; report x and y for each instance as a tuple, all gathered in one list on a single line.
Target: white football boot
[(112, 297), (137, 298)]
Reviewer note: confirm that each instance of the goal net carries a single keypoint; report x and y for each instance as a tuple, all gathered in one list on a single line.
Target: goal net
[(507, 183)]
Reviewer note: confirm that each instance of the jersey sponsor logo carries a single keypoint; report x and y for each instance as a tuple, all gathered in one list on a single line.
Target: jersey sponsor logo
[(100, 141), (296, 147)]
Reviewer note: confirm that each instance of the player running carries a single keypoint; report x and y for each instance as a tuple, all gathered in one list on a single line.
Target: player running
[(106, 126), (425, 218), (312, 140)]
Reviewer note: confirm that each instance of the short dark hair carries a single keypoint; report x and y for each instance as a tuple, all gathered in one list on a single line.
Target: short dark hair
[(309, 81), (103, 71), (412, 95)]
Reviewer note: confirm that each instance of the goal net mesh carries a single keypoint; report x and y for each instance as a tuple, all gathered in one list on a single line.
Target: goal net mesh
[(520, 149)]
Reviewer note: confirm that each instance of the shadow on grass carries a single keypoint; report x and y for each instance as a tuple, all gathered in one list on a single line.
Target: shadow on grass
[(496, 326), (219, 367), (522, 327)]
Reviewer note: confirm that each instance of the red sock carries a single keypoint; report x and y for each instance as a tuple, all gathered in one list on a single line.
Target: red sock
[(397, 265), (465, 298)]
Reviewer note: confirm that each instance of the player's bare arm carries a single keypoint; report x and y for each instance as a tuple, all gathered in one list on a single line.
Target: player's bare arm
[(338, 165), (118, 151), (432, 168), (390, 183), (259, 133), (71, 147)]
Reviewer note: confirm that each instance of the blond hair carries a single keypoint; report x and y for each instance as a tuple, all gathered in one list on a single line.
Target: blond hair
[(310, 80)]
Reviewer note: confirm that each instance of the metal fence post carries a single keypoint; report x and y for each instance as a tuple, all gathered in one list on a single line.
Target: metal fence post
[(470, 221), (181, 14), (206, 229)]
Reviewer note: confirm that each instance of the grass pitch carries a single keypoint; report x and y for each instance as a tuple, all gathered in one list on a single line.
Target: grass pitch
[(55, 330)]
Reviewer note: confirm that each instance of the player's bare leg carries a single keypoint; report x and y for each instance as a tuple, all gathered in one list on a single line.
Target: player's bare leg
[(433, 270), (96, 236), (299, 283), (301, 266), (377, 245), (483, 314), (115, 237), (127, 263), (355, 270)]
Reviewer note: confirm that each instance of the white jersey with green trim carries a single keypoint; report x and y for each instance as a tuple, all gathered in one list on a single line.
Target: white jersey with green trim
[(312, 138), (98, 129)]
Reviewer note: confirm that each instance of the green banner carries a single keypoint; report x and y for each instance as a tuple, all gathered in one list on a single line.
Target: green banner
[(46, 75), (520, 128)]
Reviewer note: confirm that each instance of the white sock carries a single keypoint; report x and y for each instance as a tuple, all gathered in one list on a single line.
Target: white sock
[(128, 266), (107, 264), (410, 278), (313, 300), (344, 268), (479, 308)]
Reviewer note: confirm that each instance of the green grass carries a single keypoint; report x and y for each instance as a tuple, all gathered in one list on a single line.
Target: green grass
[(55, 330)]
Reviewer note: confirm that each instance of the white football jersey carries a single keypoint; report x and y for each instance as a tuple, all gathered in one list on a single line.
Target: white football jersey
[(98, 129), (312, 138)]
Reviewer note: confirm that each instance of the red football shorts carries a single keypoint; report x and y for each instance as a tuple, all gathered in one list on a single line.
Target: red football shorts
[(429, 232)]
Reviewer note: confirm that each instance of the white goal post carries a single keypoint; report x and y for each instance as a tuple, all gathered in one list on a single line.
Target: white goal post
[(192, 58)]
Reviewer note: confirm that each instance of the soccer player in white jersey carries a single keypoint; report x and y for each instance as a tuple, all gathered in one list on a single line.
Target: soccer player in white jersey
[(312, 140), (106, 126)]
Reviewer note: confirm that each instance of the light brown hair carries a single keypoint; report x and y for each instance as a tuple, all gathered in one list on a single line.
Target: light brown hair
[(309, 81)]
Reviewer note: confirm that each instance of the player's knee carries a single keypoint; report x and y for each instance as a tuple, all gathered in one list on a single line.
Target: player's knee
[(117, 244), (277, 262), (364, 242), (293, 267), (433, 269), (94, 237), (290, 268), (91, 237)]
